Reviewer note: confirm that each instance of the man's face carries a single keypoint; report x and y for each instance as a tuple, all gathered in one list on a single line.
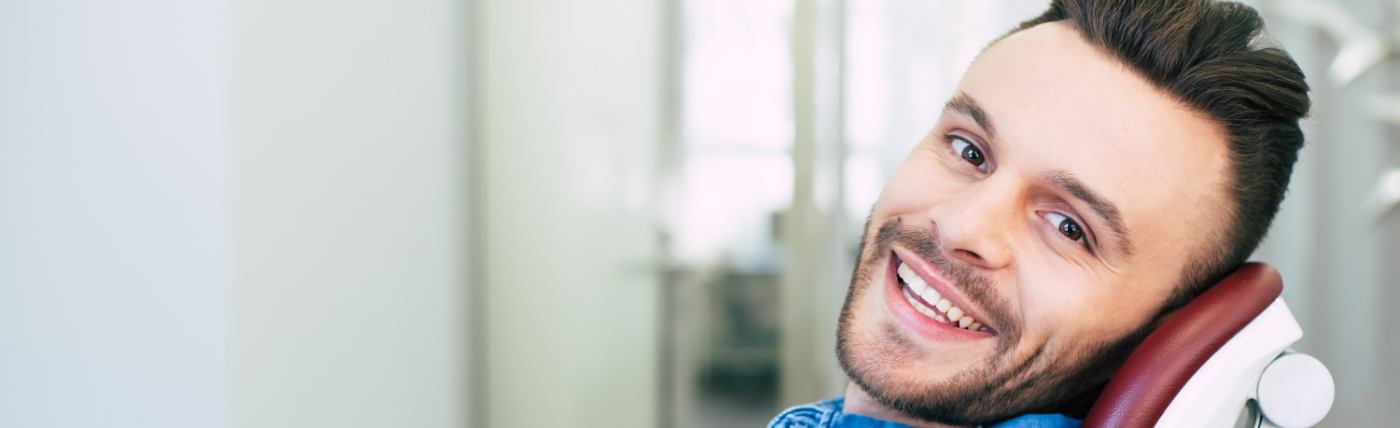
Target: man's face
[(1056, 203)]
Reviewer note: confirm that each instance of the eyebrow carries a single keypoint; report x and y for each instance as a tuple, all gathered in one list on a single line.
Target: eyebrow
[(964, 104), (1101, 206)]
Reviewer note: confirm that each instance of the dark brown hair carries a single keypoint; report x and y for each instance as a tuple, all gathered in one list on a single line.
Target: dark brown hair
[(1209, 56)]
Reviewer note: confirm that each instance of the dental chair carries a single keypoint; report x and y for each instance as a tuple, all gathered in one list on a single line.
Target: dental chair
[(1222, 360)]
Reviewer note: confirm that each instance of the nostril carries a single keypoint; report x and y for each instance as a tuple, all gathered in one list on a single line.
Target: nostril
[(969, 256)]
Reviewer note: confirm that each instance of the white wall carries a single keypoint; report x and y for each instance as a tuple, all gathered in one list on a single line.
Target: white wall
[(113, 213), (571, 105), (233, 213), (349, 205)]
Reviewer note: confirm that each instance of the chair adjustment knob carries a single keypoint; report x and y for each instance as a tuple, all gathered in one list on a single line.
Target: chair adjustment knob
[(1295, 391)]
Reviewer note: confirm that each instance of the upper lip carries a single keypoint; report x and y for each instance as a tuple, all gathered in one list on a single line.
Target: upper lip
[(935, 278)]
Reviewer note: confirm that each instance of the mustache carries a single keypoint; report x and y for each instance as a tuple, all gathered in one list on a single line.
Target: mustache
[(976, 286)]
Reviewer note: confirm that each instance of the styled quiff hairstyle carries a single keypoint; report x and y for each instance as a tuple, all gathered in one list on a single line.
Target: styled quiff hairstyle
[(1210, 55)]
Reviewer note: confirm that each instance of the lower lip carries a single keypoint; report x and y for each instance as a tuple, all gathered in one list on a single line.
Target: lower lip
[(911, 318)]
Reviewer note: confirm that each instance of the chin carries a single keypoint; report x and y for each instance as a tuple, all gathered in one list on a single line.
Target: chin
[(872, 347), (946, 376)]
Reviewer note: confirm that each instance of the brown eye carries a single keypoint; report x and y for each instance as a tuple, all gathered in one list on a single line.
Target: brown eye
[(1071, 229), (972, 155), (969, 152)]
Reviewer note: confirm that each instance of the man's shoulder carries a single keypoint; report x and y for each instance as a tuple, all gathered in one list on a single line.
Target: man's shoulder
[(828, 414), (1039, 421), (818, 414)]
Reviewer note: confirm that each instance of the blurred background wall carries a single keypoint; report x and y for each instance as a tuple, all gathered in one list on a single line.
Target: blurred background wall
[(494, 213), (570, 118), (233, 213), (114, 214)]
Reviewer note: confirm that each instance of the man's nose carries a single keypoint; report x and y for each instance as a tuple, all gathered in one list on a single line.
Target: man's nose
[(975, 226)]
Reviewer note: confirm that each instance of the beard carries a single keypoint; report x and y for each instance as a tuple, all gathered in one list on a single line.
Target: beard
[(1000, 386)]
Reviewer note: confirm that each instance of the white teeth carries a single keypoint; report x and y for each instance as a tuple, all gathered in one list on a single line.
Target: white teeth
[(943, 311), (918, 306), (913, 279), (916, 283), (912, 301), (933, 295), (929, 294), (907, 274)]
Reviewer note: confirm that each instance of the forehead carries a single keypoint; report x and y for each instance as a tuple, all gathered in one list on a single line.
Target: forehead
[(1059, 103)]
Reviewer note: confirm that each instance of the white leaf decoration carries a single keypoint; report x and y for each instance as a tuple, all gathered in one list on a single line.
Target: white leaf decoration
[(1362, 48), (1386, 196), (1355, 57)]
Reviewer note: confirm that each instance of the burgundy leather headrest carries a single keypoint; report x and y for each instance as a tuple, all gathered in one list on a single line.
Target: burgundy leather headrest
[(1153, 374)]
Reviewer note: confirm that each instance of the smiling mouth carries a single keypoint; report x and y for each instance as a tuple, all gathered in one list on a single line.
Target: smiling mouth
[(931, 304)]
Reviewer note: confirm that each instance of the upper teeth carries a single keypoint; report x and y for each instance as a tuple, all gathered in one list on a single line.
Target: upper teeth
[(943, 310)]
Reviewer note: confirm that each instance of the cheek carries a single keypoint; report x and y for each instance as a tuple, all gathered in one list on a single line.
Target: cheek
[(1074, 309), (1062, 304), (1054, 313)]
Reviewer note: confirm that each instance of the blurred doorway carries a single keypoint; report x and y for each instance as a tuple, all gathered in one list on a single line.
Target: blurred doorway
[(754, 255), (730, 180)]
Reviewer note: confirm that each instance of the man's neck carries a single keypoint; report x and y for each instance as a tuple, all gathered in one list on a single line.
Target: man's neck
[(860, 403)]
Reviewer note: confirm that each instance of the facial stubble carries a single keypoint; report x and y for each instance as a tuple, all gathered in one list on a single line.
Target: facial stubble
[(1001, 386)]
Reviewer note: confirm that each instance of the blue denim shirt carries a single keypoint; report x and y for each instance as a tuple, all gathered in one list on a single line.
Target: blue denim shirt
[(828, 414)]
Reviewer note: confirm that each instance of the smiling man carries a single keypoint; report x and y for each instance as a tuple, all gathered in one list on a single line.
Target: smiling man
[(1098, 167)]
